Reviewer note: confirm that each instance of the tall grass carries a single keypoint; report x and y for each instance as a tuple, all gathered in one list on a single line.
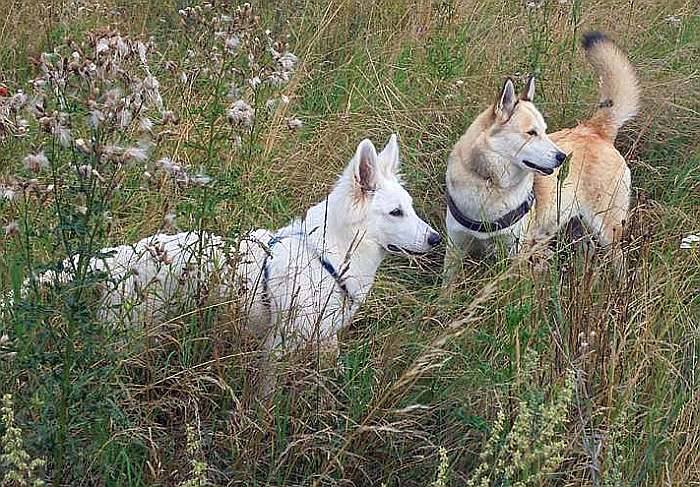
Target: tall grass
[(431, 387)]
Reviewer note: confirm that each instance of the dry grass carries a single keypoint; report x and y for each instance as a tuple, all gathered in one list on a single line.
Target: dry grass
[(420, 369)]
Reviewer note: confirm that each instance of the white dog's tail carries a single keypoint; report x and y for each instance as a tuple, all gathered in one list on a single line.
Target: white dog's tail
[(7, 300), (619, 88)]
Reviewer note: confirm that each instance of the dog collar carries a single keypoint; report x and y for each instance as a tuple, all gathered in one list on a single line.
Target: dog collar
[(507, 220)]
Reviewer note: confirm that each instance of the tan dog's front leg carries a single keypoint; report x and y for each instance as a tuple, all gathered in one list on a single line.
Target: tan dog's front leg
[(457, 242), (536, 243)]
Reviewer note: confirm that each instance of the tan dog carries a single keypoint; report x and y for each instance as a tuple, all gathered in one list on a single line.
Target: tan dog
[(502, 173)]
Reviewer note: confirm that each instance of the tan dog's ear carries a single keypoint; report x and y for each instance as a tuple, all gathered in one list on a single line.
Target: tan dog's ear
[(366, 170), (506, 101), (528, 93)]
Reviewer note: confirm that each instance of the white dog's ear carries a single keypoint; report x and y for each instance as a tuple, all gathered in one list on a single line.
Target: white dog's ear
[(366, 169), (528, 93), (389, 157), (506, 101)]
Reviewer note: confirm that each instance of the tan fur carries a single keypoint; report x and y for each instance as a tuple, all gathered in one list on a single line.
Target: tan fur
[(596, 189), (618, 88)]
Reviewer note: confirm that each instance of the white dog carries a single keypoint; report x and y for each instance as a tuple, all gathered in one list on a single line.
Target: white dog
[(316, 272), (301, 284)]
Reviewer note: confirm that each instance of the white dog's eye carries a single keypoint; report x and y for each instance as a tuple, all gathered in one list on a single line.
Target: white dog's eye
[(396, 212), (532, 132)]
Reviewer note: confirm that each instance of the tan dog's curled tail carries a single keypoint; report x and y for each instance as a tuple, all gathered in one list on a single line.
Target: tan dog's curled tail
[(619, 88)]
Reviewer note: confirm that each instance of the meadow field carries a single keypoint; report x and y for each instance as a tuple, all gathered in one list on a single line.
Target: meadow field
[(123, 118)]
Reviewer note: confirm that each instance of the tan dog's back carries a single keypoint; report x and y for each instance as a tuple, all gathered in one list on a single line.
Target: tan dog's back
[(598, 184)]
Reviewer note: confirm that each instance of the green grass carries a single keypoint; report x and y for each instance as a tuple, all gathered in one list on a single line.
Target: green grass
[(419, 368)]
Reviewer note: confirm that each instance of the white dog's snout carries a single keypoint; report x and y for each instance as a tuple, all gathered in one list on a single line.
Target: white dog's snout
[(434, 238), (430, 237)]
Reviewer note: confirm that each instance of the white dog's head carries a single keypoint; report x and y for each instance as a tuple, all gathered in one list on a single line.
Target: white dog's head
[(389, 219), (519, 132)]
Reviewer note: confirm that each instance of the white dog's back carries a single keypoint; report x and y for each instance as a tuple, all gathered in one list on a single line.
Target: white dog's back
[(299, 284), (276, 277), (147, 280), (161, 273)]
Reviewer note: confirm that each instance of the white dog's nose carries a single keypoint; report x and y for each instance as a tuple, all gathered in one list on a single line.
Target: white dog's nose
[(434, 239)]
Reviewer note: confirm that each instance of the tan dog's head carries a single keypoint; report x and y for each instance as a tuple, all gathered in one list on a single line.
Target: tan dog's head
[(519, 132)]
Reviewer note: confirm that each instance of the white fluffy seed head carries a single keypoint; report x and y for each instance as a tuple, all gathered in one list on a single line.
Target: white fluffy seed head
[(287, 61), (145, 124), (11, 228), (240, 113), (36, 162), (84, 171), (232, 43), (254, 82), (169, 219), (294, 123), (63, 135), (7, 193)]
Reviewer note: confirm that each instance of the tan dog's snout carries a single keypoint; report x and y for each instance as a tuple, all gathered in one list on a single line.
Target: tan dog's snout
[(544, 157)]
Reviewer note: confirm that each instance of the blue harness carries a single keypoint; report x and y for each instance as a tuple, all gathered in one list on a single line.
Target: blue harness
[(325, 263)]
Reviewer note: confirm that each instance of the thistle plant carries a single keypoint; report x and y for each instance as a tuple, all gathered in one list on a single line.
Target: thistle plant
[(96, 131), (95, 113), (250, 68)]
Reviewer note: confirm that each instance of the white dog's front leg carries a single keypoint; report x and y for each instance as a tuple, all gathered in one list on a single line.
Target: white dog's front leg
[(268, 366)]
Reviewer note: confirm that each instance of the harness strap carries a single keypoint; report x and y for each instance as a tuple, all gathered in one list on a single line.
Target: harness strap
[(507, 220), (338, 278), (325, 263)]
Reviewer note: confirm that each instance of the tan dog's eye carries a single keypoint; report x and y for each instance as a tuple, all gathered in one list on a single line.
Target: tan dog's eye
[(533, 133)]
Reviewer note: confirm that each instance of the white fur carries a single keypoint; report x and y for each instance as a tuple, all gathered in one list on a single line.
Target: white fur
[(147, 280), (352, 229), (300, 301)]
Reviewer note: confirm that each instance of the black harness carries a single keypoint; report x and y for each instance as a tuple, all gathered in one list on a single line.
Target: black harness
[(507, 220), (338, 277)]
